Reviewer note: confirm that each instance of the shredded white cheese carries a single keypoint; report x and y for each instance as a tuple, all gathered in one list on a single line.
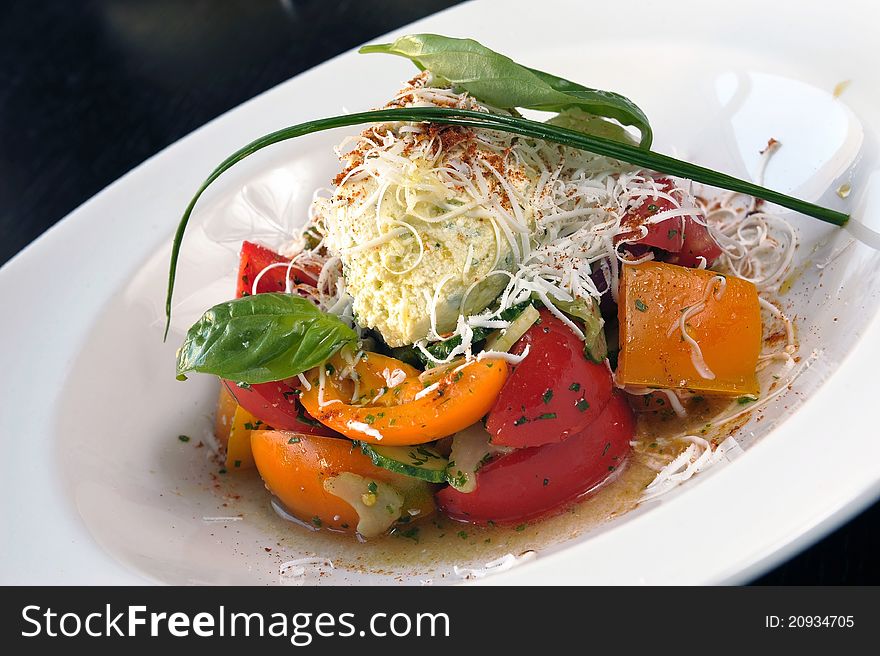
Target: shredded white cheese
[(719, 284), (428, 390), (503, 355), (366, 429), (393, 378), (696, 458)]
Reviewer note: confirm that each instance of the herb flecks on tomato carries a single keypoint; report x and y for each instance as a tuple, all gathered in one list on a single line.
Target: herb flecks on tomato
[(277, 404), (685, 238), (553, 393), (534, 482)]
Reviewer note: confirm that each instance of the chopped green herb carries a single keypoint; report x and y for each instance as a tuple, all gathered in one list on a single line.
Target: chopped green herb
[(652, 207), (316, 521), (582, 404), (370, 419), (575, 387), (521, 527), (547, 415), (308, 421), (183, 438), (222, 470), (372, 487), (607, 446), (547, 396), (671, 234), (237, 463), (463, 535), (743, 400), (546, 482), (243, 385), (294, 440), (330, 369), (459, 479), (640, 305), (611, 468), (520, 421), (457, 376)]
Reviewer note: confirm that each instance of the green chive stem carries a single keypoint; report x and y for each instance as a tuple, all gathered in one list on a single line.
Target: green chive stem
[(524, 127)]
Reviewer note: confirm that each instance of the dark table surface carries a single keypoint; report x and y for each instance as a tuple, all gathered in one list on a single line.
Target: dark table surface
[(90, 89)]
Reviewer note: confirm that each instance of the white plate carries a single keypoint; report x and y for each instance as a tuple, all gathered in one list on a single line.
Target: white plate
[(96, 487)]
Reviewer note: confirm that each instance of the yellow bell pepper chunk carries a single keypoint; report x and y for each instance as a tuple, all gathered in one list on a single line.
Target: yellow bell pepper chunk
[(233, 426), (716, 350)]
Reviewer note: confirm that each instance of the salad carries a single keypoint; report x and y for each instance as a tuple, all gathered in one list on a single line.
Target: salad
[(490, 317)]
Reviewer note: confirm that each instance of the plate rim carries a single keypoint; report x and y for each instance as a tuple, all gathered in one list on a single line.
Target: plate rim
[(817, 525)]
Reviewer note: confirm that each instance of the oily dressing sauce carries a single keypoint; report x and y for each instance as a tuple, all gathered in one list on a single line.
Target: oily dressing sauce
[(428, 549)]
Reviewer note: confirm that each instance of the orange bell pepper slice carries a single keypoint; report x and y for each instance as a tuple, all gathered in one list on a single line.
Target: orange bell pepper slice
[(654, 352), (410, 412), (294, 467)]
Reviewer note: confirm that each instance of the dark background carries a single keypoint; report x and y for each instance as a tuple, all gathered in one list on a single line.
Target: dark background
[(88, 90)]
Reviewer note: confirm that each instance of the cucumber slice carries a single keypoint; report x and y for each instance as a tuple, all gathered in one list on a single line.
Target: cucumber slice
[(416, 461), (503, 340)]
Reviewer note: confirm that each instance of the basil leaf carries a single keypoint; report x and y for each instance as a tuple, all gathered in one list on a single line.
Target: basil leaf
[(261, 338), (498, 81)]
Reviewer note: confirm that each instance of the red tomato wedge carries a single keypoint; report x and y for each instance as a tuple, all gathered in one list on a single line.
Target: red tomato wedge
[(667, 235), (277, 405), (698, 243), (531, 483), (552, 394), (255, 258), (683, 237)]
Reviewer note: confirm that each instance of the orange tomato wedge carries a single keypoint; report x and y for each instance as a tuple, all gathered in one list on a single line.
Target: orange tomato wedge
[(724, 319), (412, 411), (294, 467)]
